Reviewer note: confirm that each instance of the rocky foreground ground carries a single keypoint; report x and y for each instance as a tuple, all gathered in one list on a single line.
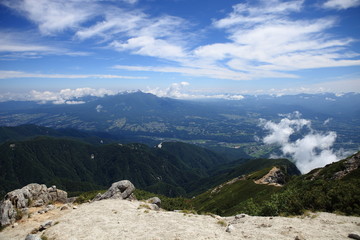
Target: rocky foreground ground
[(122, 219)]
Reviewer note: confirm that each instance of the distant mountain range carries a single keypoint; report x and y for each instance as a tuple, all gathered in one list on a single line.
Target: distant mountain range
[(227, 126)]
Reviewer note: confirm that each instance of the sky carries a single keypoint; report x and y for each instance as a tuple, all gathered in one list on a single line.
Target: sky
[(178, 48)]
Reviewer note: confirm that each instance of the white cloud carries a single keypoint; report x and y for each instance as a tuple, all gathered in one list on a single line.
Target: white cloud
[(267, 11), (66, 96), (311, 150), (267, 36), (264, 41), (131, 1), (280, 132), (200, 71), (16, 42), (263, 38), (99, 108), (174, 91), (149, 46), (177, 90), (28, 45), (17, 74), (56, 15), (341, 4), (326, 122), (115, 21)]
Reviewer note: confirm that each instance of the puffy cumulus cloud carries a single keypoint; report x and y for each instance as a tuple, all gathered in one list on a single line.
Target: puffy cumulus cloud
[(178, 90), (312, 150), (280, 132), (64, 96), (341, 4), (174, 91)]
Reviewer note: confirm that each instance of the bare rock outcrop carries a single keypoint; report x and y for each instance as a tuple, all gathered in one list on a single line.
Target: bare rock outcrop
[(118, 190), (275, 177), (350, 165), (33, 195)]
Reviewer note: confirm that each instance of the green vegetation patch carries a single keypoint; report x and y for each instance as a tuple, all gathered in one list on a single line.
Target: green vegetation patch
[(227, 201), (167, 203)]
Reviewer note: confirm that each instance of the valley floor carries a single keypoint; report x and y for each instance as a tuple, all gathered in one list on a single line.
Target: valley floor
[(119, 219)]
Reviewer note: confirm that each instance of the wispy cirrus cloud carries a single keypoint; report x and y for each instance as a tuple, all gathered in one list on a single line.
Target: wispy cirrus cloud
[(200, 71), (264, 41), (266, 38), (117, 26), (11, 41), (149, 46), (54, 16), (14, 45), (260, 39), (17, 74), (341, 4), (136, 32)]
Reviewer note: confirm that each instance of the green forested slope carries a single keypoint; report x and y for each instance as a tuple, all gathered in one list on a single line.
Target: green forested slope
[(333, 188), (236, 169), (78, 166)]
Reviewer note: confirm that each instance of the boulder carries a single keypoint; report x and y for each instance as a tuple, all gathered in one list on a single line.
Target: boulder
[(45, 225), (47, 209), (154, 200), (154, 207), (60, 196), (65, 207), (7, 213), (242, 215), (354, 236), (230, 228), (32, 237), (118, 190), (42, 227), (32, 195)]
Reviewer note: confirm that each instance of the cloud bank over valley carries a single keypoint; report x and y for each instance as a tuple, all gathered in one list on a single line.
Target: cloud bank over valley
[(297, 140)]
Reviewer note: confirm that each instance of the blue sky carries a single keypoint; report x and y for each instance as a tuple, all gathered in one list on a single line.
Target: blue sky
[(178, 48)]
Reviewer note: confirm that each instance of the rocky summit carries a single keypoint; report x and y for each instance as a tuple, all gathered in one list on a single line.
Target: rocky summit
[(17, 202)]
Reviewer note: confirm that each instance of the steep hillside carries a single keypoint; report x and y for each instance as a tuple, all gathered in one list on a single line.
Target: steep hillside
[(78, 166), (238, 168), (334, 188), (24, 132), (226, 199), (200, 158)]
